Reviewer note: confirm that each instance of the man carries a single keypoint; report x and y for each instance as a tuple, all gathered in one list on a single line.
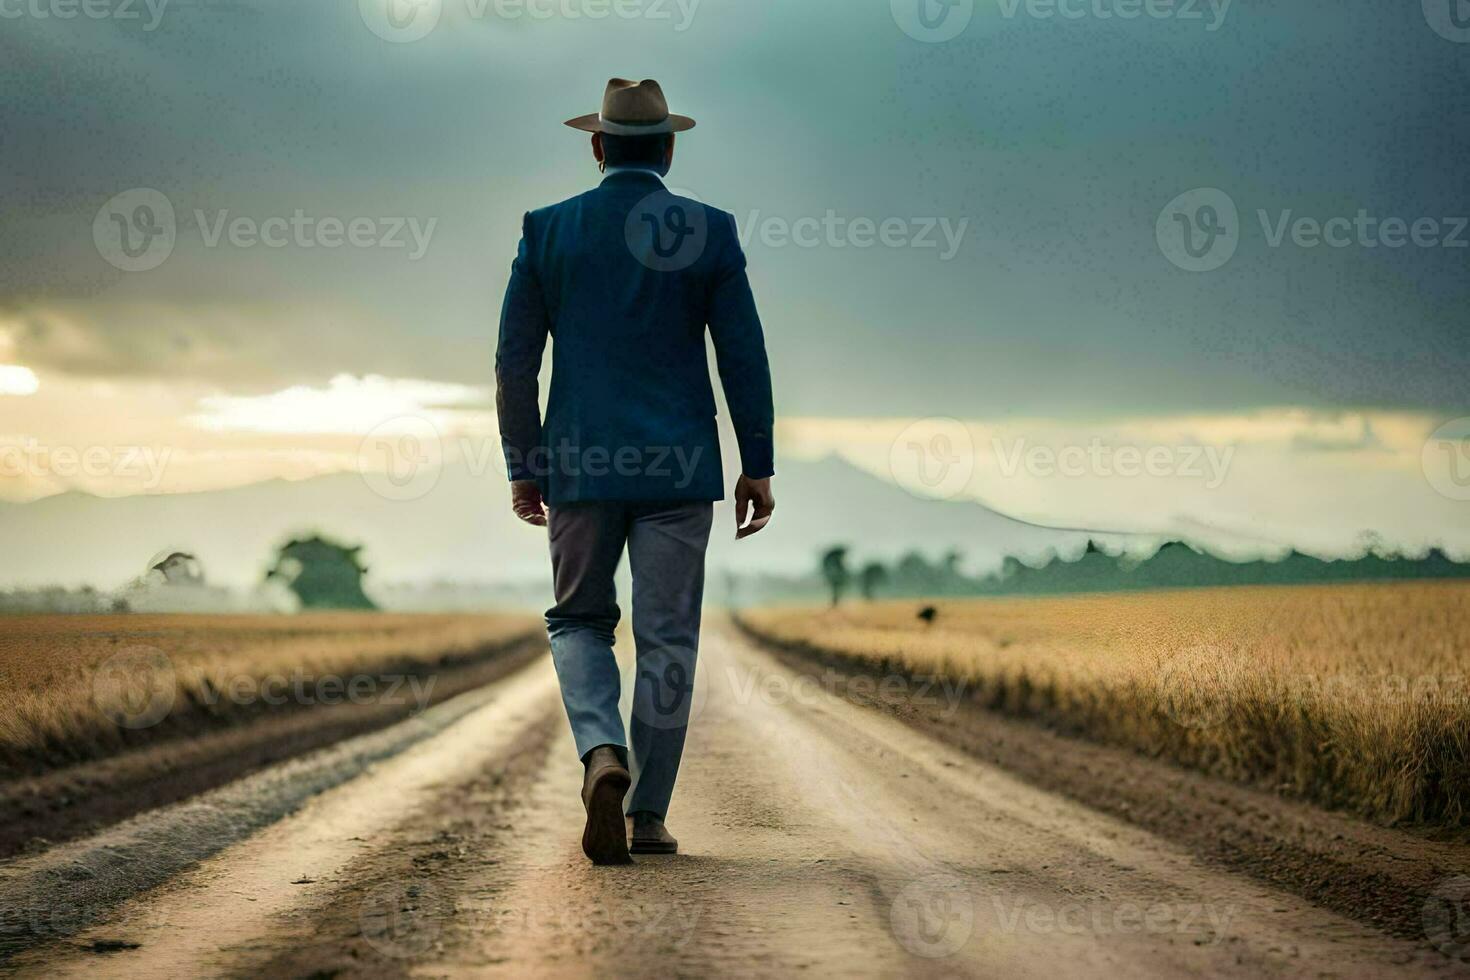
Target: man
[(627, 278)]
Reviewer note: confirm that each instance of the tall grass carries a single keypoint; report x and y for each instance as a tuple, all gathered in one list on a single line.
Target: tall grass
[(59, 703), (1353, 696)]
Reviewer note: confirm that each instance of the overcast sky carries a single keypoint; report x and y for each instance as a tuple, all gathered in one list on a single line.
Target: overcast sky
[(975, 227)]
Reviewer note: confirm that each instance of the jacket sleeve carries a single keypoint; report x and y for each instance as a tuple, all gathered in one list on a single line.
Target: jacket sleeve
[(524, 326), (740, 350)]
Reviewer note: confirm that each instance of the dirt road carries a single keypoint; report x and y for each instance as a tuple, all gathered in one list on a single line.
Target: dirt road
[(816, 835)]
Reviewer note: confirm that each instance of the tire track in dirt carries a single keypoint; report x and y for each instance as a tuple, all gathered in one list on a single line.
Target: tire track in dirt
[(1379, 875), (339, 801)]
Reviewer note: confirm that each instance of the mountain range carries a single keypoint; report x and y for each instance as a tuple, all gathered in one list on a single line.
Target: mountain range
[(463, 531)]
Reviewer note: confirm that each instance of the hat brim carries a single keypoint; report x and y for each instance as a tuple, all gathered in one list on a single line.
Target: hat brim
[(593, 124)]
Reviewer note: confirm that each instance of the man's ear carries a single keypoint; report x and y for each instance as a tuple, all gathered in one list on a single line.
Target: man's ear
[(597, 152), (669, 155)]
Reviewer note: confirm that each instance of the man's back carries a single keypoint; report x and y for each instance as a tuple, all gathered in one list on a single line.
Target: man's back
[(626, 278)]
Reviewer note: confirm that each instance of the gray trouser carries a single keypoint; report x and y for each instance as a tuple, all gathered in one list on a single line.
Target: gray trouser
[(666, 544)]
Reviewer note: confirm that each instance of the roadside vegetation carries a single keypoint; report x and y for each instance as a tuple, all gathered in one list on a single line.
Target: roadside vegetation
[(83, 687), (1352, 696)]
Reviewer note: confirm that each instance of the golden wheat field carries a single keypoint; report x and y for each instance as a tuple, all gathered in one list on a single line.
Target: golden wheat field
[(1352, 696), (64, 679)]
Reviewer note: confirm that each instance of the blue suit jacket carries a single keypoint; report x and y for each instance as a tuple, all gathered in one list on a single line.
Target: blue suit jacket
[(626, 278)]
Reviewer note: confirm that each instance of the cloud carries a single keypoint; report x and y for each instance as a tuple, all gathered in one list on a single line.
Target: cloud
[(347, 405), (249, 348)]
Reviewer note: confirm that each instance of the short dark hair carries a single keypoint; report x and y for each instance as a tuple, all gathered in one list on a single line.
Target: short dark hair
[(635, 151)]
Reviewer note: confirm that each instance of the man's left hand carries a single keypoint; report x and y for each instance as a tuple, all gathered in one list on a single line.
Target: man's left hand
[(754, 505)]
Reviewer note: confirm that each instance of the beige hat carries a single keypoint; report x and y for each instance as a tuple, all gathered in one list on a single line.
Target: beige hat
[(632, 109)]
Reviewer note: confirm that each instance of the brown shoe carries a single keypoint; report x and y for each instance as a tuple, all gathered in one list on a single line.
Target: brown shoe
[(649, 835), (605, 839)]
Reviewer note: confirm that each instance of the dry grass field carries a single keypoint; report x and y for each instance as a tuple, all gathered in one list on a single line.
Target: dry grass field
[(1351, 696), (80, 687)]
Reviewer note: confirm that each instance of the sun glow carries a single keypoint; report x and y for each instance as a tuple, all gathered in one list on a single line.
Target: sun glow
[(18, 380)]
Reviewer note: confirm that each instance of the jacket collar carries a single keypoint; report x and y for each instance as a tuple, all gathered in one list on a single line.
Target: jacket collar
[(633, 178)]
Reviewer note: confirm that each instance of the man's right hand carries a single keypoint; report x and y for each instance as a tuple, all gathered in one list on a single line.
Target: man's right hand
[(525, 499), (752, 494)]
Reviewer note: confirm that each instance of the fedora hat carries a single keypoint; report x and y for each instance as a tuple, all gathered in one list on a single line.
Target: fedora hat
[(632, 109)]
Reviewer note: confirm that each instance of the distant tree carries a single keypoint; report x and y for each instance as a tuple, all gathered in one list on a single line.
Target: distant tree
[(322, 573), (953, 580), (834, 570), (914, 575), (872, 578)]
